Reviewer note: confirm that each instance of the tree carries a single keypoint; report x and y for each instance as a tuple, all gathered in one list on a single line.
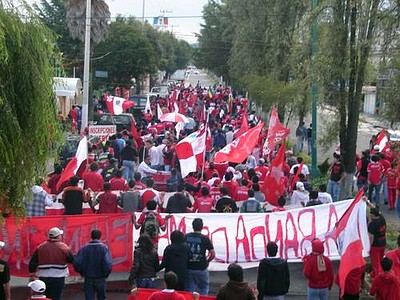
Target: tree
[(351, 36), (29, 129), (53, 14)]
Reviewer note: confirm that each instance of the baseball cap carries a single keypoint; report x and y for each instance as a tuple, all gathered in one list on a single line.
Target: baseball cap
[(55, 232), (2, 244), (37, 286), (300, 186)]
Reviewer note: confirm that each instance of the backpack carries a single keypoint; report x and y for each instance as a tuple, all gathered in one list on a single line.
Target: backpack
[(151, 226)]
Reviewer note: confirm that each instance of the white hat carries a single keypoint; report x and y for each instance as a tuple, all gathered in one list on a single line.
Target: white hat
[(2, 244), (300, 186), (37, 286), (376, 147), (55, 232)]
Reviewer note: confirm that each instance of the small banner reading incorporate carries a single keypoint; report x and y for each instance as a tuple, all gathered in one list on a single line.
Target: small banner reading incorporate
[(22, 236)]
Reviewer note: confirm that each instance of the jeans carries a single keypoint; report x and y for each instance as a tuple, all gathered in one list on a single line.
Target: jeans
[(54, 287), (315, 294), (309, 145), (299, 144), (128, 169), (281, 297), (146, 283), (377, 189), (199, 279), (95, 286), (362, 183), (384, 190), (334, 190)]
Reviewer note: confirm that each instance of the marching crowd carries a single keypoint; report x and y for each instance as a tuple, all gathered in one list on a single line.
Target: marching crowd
[(138, 171)]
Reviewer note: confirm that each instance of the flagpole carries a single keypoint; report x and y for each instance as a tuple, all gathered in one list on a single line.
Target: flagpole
[(86, 67)]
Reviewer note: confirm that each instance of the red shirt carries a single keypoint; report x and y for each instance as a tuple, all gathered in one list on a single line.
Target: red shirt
[(160, 127), (374, 173), (241, 193), (108, 203), (231, 187), (53, 183), (385, 164), (139, 185), (208, 173), (386, 286), (263, 170), (316, 279), (118, 184), (147, 117), (215, 193), (394, 255), (391, 176), (203, 204), (93, 180), (162, 295)]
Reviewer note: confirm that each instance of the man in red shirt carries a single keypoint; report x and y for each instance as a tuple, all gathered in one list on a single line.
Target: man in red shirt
[(138, 184), (386, 286), (241, 192), (215, 190), (262, 168), (230, 184), (93, 180), (205, 203), (208, 173), (118, 183), (394, 255), (375, 171), (171, 281), (108, 202), (391, 175)]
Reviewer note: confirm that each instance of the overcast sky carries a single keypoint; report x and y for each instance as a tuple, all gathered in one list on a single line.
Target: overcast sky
[(184, 16)]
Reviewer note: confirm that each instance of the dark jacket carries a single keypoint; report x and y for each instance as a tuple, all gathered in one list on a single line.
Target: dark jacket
[(145, 265), (93, 260), (235, 290), (273, 277), (175, 259)]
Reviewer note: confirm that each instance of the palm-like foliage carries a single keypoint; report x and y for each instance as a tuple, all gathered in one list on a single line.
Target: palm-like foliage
[(76, 18)]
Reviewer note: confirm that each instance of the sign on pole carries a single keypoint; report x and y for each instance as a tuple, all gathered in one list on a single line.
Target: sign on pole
[(102, 131)]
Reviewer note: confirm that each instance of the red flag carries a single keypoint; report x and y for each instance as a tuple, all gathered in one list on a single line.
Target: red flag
[(296, 177), (190, 152), (74, 164), (276, 132), (274, 182), (243, 128), (135, 135), (382, 142), (349, 241), (240, 148)]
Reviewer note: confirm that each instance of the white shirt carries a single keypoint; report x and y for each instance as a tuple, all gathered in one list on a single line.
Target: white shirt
[(145, 170), (304, 169), (298, 197), (229, 137), (251, 161), (324, 197), (154, 157)]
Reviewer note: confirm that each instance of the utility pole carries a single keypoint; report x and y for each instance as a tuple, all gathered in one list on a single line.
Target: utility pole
[(86, 66), (314, 88)]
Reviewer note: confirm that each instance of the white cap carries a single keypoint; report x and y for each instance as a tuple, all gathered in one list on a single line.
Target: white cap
[(300, 186), (376, 147), (55, 232), (37, 286), (2, 244)]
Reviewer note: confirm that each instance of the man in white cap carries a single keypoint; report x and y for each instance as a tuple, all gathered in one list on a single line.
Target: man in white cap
[(5, 288), (38, 288), (49, 261)]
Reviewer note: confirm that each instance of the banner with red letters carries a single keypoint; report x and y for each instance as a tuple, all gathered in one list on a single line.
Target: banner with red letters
[(243, 237), (22, 236)]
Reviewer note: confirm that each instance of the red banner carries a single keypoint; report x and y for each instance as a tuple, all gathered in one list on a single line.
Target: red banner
[(22, 236), (144, 294)]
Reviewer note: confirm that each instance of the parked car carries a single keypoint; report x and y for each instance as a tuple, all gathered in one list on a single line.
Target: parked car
[(160, 91), (121, 121)]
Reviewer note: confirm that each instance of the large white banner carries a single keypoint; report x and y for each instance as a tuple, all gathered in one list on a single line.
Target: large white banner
[(243, 237)]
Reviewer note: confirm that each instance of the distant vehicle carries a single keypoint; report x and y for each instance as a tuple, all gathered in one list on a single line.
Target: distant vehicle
[(161, 91), (394, 135), (122, 121), (140, 104)]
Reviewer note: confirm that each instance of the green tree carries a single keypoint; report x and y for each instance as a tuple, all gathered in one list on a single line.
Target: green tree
[(29, 129), (53, 14)]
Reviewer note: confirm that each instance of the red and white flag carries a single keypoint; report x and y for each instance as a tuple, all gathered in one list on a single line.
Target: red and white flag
[(274, 182), (148, 106), (74, 164), (238, 150), (173, 101), (382, 141), (117, 105), (159, 111), (276, 133), (352, 239), (190, 152)]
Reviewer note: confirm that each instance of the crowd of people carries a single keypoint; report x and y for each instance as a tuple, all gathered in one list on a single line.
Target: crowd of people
[(122, 174)]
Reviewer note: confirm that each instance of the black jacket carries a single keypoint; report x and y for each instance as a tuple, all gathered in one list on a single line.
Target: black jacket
[(235, 290), (175, 259), (145, 265), (273, 277)]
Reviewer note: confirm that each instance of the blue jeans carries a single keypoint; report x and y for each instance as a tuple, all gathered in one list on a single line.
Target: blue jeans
[(128, 169), (309, 145), (317, 294), (334, 190), (362, 183), (95, 286), (146, 283), (281, 297), (54, 287), (199, 279), (377, 189), (384, 190)]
